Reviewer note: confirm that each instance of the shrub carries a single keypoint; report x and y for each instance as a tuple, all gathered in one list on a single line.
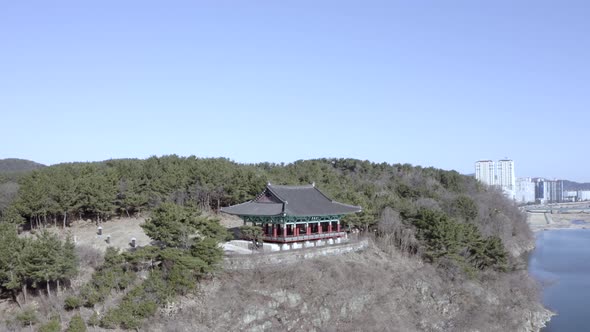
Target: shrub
[(27, 317), (110, 320), (94, 320), (52, 326), (77, 324), (114, 274), (72, 302), (90, 295)]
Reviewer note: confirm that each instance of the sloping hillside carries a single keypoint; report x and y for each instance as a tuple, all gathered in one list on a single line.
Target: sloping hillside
[(379, 289), (446, 253)]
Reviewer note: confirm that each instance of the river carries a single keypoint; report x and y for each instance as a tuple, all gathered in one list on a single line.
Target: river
[(561, 262)]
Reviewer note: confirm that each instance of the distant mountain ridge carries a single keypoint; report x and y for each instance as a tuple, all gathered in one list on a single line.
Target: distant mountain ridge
[(18, 165), (572, 185)]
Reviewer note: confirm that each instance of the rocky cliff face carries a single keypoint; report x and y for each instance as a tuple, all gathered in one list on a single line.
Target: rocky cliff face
[(366, 291)]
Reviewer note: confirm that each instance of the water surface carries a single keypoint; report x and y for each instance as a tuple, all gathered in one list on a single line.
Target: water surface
[(561, 262)]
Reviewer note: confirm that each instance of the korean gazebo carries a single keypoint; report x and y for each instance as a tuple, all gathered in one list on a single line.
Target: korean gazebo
[(294, 214)]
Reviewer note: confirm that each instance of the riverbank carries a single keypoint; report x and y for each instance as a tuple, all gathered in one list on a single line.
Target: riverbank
[(547, 221)]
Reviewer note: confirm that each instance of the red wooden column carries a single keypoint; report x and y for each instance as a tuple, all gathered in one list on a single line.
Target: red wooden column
[(338, 226), (296, 230), (319, 227), (274, 230), (307, 229), (330, 227), (285, 231)]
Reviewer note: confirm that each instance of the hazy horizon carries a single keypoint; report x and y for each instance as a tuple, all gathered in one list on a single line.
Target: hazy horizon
[(429, 84)]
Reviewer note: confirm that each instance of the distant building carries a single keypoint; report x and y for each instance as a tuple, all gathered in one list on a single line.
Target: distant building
[(541, 193), (583, 195), (570, 196), (549, 191), (525, 190), (556, 191), (576, 195), (500, 174), (505, 176), (485, 172)]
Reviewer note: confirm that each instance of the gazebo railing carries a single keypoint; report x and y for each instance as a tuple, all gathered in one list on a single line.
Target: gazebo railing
[(304, 237)]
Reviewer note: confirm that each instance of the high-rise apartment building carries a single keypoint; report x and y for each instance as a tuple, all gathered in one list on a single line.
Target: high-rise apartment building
[(548, 191), (485, 172), (505, 176), (525, 190), (500, 174)]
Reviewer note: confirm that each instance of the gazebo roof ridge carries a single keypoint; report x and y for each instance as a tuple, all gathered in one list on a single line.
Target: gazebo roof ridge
[(269, 187)]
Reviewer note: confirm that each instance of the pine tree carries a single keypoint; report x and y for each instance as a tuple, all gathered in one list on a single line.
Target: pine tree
[(68, 261), (11, 215), (177, 226), (42, 259), (11, 247)]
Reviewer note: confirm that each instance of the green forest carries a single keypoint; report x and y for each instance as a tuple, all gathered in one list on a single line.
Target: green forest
[(446, 218)]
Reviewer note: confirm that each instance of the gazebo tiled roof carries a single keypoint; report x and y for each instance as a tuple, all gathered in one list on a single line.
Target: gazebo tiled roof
[(291, 201)]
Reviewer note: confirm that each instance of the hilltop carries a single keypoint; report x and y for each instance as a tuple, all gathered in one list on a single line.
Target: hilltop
[(18, 165), (444, 247)]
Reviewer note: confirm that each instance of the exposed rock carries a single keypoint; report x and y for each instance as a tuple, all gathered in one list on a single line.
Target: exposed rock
[(536, 320)]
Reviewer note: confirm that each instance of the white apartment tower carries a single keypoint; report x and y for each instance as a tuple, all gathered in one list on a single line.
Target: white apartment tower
[(505, 176), (485, 172), (500, 174), (525, 190)]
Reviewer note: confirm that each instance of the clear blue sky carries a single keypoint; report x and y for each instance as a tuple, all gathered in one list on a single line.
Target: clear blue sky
[(432, 83)]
